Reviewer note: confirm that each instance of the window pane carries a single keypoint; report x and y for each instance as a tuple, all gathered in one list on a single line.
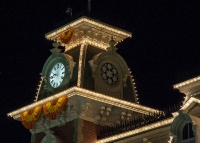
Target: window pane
[(191, 134), (185, 132)]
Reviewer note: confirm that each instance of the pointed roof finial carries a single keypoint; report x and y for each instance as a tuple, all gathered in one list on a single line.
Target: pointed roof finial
[(89, 6)]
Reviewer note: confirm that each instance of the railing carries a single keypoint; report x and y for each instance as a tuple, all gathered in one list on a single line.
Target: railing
[(136, 122)]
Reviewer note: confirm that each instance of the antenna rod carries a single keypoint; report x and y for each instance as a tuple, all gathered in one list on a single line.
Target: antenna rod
[(89, 6)]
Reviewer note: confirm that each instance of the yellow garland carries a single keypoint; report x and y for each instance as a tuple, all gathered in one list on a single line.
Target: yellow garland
[(29, 118), (53, 108), (66, 36)]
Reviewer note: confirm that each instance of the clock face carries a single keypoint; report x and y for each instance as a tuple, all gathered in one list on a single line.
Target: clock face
[(57, 75), (109, 73)]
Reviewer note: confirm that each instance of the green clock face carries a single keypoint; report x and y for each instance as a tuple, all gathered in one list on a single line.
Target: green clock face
[(57, 75)]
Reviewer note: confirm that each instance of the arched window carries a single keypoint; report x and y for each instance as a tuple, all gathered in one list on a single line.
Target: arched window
[(182, 129), (187, 134)]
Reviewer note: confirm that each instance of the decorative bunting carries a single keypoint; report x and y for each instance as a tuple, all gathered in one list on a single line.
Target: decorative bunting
[(53, 108), (29, 118), (66, 36)]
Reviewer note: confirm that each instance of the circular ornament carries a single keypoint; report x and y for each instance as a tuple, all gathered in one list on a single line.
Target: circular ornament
[(109, 73)]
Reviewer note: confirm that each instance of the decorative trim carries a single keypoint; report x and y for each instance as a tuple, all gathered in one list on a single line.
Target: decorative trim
[(80, 65), (187, 82), (87, 94), (192, 99), (137, 131), (38, 90), (85, 40), (86, 20), (30, 117)]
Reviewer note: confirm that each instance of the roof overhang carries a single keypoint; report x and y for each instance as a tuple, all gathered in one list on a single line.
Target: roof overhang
[(187, 82), (76, 91), (189, 103), (88, 30), (189, 87)]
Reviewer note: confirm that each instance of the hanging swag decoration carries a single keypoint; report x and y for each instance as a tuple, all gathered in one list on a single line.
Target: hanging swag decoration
[(53, 108), (66, 36), (29, 118)]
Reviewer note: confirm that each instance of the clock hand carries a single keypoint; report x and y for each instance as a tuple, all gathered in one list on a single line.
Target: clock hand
[(53, 74)]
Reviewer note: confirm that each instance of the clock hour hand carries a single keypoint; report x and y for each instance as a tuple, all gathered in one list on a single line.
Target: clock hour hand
[(53, 75)]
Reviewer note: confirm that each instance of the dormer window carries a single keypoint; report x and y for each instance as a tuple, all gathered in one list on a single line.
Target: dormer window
[(187, 134)]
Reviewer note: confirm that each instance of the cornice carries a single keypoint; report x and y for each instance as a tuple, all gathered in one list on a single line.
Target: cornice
[(189, 102), (89, 31), (93, 23), (186, 83), (89, 95)]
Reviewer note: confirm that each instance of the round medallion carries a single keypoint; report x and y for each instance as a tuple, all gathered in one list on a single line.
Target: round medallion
[(56, 75), (109, 73)]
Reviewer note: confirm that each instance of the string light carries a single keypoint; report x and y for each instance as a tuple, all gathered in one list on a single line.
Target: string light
[(38, 90), (134, 85), (96, 26), (85, 40), (90, 95), (187, 82), (88, 21), (80, 65), (137, 131), (188, 103)]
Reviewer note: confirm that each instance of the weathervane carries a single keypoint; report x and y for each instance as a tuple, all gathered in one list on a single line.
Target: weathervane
[(69, 11)]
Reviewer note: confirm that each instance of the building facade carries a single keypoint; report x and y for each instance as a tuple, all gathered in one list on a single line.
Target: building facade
[(87, 94)]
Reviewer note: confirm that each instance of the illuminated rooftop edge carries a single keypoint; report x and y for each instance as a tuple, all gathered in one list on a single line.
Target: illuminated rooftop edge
[(187, 82), (91, 95), (76, 23), (136, 131), (97, 44), (192, 99)]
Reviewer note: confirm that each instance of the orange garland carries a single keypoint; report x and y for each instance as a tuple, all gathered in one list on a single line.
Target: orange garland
[(53, 108), (29, 118), (66, 36)]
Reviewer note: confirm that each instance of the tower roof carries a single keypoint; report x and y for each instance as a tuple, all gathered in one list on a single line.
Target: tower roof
[(90, 31)]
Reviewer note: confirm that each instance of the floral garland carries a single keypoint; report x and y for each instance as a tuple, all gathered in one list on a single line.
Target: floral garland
[(66, 36), (51, 109)]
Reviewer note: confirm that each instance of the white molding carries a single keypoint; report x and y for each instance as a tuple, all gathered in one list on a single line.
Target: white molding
[(189, 102), (88, 21), (86, 94)]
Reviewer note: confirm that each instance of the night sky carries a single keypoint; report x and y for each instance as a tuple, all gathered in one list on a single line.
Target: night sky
[(164, 49)]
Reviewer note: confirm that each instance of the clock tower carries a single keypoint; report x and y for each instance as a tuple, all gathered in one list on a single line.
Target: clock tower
[(95, 65), (83, 88)]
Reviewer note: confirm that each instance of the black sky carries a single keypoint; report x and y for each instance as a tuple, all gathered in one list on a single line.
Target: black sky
[(163, 51)]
